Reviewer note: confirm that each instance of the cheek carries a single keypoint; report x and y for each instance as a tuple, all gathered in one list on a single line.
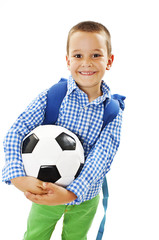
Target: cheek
[(71, 64), (101, 65), (74, 65)]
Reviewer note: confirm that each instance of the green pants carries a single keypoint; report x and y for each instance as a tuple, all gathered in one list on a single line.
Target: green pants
[(77, 220)]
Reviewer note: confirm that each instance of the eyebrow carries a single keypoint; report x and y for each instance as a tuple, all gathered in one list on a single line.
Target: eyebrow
[(77, 50), (96, 50)]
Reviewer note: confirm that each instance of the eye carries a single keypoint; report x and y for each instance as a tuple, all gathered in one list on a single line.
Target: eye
[(78, 56), (96, 55)]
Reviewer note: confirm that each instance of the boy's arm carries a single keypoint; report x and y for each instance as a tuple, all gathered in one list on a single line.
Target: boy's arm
[(99, 159), (13, 171), (28, 120)]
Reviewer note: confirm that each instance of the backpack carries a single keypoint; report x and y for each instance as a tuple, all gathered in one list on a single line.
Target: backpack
[(56, 95)]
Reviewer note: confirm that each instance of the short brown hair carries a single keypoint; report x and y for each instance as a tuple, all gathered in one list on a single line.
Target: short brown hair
[(90, 26)]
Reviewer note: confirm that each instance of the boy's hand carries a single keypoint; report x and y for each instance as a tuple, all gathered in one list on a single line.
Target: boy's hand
[(56, 195), (29, 184)]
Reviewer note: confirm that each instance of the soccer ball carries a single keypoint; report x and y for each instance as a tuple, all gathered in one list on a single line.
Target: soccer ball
[(52, 154)]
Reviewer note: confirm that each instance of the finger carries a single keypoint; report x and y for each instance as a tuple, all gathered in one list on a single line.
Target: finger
[(33, 197), (39, 199), (41, 190), (49, 185), (40, 183)]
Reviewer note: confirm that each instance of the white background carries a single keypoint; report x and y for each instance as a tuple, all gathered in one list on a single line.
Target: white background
[(32, 57)]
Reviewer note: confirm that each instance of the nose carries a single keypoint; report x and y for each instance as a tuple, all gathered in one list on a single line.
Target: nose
[(86, 62)]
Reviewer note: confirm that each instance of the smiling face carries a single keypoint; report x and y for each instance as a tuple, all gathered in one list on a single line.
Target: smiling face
[(88, 59)]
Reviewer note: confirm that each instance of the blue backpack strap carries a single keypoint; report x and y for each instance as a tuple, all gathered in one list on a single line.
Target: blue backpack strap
[(55, 97), (105, 202), (111, 110)]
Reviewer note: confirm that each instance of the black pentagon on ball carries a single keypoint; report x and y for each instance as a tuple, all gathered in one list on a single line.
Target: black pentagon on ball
[(79, 170), (66, 141), (49, 173), (29, 143)]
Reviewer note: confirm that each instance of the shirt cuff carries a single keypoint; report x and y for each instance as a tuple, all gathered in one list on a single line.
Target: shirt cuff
[(12, 170), (79, 187)]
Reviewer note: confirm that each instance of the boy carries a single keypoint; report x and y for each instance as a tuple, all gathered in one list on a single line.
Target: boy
[(88, 57)]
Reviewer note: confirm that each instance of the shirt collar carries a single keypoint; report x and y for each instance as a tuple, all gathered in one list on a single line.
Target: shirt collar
[(105, 89), (71, 85)]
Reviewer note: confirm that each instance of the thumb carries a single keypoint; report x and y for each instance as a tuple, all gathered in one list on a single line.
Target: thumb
[(48, 185)]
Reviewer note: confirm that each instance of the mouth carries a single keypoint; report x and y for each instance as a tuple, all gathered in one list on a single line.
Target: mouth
[(87, 73)]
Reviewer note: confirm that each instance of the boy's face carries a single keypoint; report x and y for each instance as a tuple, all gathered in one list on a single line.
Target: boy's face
[(87, 59)]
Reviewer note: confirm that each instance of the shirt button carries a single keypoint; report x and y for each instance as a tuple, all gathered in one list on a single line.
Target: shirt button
[(86, 108)]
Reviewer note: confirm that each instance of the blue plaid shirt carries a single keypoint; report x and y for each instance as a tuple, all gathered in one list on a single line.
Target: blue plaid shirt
[(80, 116)]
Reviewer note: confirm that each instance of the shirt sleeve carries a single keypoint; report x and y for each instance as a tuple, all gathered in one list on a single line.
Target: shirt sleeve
[(99, 160), (26, 122)]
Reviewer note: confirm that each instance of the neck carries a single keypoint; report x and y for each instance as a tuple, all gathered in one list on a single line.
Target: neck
[(93, 93)]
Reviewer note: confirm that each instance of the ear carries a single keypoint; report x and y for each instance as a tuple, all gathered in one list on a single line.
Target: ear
[(110, 62), (68, 62)]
